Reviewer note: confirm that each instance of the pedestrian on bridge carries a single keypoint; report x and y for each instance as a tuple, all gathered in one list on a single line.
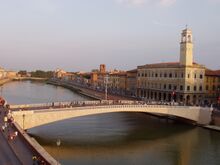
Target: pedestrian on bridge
[(3, 128)]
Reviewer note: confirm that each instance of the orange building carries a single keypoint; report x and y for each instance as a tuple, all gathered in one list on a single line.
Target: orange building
[(212, 85)]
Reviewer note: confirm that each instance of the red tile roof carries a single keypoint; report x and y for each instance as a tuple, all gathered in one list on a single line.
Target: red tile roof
[(165, 65), (212, 73)]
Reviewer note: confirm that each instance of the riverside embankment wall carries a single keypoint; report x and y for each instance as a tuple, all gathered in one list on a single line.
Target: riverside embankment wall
[(3, 81), (36, 147), (75, 89)]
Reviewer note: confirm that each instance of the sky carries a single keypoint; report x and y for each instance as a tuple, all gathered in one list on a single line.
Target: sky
[(78, 35)]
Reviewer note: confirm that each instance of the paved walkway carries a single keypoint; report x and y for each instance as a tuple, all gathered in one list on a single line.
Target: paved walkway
[(15, 151), (7, 156)]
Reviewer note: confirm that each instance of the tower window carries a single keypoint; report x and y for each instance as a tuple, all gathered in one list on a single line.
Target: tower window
[(189, 38)]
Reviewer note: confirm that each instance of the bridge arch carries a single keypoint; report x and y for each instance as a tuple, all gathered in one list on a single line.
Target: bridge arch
[(33, 118)]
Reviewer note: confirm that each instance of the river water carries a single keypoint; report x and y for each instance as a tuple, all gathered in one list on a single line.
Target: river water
[(116, 138)]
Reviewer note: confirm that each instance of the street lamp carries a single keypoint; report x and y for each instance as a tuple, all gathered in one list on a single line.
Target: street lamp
[(23, 120), (218, 96), (106, 86)]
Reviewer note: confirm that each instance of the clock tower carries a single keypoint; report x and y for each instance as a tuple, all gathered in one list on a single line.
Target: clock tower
[(186, 48)]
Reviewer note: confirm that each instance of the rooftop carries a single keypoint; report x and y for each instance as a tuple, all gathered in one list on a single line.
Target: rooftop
[(167, 65)]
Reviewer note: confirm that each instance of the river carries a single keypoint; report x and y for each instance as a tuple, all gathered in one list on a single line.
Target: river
[(116, 138)]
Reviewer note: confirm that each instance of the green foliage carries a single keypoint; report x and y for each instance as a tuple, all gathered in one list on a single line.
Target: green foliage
[(22, 72), (42, 74)]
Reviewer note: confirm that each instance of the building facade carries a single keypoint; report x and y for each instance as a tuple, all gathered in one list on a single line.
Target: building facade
[(212, 85), (181, 81), (131, 82)]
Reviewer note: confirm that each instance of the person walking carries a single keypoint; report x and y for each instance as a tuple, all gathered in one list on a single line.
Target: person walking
[(3, 128)]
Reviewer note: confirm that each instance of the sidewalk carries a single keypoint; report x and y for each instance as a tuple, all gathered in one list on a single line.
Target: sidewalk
[(22, 152)]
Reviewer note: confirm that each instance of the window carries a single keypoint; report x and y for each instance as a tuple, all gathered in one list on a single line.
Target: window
[(207, 87), (188, 88), (170, 75), (195, 76), (142, 74), (181, 87), (165, 75), (188, 75), (145, 74), (195, 88), (170, 86), (201, 76), (156, 75), (176, 75), (213, 87), (200, 88), (165, 86), (175, 87), (182, 75)]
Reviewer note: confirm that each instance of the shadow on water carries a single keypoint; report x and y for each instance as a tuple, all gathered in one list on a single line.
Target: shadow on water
[(115, 129)]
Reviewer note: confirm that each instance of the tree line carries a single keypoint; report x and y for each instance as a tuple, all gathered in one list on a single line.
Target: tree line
[(37, 73)]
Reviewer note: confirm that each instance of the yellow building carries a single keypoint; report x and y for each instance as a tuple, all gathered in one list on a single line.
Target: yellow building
[(212, 85), (117, 81), (59, 73), (181, 81), (3, 73), (11, 74)]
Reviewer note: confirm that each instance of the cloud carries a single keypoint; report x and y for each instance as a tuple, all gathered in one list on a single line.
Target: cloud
[(139, 3)]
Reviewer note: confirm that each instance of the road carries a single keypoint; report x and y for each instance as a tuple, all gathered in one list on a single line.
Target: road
[(7, 156), (14, 152)]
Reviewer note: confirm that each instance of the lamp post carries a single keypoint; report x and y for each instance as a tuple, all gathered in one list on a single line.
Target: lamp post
[(173, 96), (1, 90), (23, 120), (106, 86), (218, 96)]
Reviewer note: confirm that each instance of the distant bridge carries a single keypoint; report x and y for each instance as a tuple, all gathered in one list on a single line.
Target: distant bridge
[(32, 118)]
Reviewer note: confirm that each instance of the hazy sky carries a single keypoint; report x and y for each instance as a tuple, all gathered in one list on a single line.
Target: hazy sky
[(81, 34)]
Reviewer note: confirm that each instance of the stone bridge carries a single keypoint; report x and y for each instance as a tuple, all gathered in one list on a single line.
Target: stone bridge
[(32, 118)]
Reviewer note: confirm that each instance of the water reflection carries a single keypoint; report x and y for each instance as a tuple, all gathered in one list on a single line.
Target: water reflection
[(27, 92)]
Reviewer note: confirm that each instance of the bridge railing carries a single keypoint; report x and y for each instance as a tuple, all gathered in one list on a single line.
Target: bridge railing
[(113, 106), (86, 103)]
